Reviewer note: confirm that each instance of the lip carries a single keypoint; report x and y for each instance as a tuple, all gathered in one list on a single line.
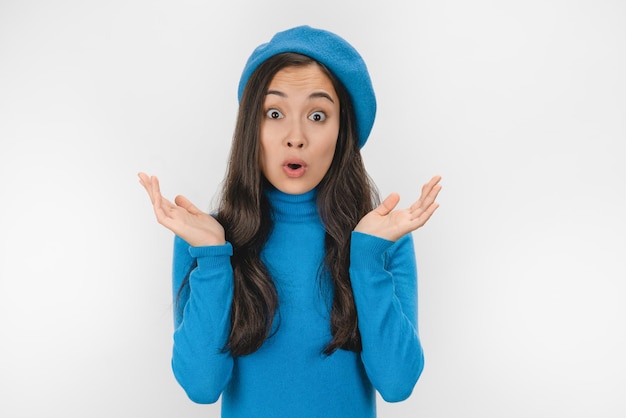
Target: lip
[(294, 167)]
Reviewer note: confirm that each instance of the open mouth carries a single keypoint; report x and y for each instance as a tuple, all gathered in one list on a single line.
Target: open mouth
[(294, 168)]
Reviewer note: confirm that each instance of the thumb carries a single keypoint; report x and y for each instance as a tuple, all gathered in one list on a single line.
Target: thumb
[(388, 204), (186, 204)]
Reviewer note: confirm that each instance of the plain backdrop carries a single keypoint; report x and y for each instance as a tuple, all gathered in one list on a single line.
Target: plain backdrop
[(520, 106)]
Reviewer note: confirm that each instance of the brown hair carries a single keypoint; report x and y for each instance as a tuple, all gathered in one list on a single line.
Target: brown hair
[(344, 196)]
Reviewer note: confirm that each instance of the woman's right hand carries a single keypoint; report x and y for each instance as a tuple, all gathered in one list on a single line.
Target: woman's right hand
[(183, 218)]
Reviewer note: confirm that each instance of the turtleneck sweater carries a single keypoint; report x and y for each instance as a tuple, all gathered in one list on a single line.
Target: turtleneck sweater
[(289, 375)]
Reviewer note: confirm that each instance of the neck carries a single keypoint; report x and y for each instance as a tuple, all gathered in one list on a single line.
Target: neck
[(293, 207)]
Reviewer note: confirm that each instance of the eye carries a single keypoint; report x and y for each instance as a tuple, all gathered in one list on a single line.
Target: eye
[(318, 116), (274, 114)]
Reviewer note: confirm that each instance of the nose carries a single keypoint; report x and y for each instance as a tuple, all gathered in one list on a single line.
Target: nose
[(295, 137), (295, 143)]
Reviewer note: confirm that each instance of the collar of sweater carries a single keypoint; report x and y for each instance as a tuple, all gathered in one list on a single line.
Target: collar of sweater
[(293, 207)]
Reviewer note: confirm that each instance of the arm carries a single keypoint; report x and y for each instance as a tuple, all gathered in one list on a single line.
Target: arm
[(384, 282), (201, 315), (202, 319)]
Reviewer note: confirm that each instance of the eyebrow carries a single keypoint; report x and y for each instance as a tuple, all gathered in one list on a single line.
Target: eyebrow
[(314, 95)]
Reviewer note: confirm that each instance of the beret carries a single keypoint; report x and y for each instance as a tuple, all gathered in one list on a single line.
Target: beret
[(334, 53)]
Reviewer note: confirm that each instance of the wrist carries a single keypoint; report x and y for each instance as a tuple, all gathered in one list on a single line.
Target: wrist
[(205, 240)]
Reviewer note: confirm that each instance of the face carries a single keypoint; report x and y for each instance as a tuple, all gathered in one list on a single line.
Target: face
[(299, 128)]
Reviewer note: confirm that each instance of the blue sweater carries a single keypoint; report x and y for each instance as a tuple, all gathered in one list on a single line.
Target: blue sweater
[(289, 376)]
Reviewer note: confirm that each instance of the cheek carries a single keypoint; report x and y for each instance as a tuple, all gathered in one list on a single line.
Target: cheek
[(328, 151), (332, 138), (268, 138)]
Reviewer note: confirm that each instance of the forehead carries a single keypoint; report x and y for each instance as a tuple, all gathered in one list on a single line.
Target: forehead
[(306, 77)]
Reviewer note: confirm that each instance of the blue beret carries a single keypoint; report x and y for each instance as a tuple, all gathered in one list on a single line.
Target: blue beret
[(337, 55)]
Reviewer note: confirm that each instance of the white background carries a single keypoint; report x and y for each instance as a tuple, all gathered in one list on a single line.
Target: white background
[(520, 106)]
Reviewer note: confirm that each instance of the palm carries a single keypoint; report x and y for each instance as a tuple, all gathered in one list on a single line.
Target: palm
[(390, 224), (182, 217)]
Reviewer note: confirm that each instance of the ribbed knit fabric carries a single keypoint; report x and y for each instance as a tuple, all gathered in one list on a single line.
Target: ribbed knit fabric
[(289, 376)]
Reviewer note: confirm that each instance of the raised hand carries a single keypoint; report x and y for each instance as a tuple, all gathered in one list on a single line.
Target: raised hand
[(183, 218), (390, 224)]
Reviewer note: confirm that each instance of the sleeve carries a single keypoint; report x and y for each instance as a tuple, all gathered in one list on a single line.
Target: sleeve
[(384, 281), (202, 319)]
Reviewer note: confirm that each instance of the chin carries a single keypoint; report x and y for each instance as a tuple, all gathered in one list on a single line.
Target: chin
[(295, 190), (293, 187)]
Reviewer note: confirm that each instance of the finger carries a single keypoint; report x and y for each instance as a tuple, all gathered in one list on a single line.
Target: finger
[(145, 181), (425, 215), (155, 186), (423, 209), (431, 196), (388, 204), (427, 190), (165, 211), (142, 177), (186, 204), (428, 187), (424, 203), (162, 207), (436, 179)]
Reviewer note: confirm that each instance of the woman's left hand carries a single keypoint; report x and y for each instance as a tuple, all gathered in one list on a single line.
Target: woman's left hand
[(387, 223)]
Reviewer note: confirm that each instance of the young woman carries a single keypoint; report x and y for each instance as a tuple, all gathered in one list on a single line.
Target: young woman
[(299, 297)]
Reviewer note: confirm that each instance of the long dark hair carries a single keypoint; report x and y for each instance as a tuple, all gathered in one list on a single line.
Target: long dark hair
[(344, 196)]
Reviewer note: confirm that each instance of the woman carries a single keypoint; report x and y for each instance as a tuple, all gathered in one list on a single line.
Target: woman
[(299, 297)]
